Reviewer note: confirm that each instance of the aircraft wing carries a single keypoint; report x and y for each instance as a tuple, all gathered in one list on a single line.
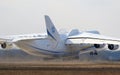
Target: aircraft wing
[(27, 39), (2, 40), (12, 39), (90, 38)]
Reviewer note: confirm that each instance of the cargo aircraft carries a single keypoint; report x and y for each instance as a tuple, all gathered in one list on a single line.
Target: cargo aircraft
[(54, 44)]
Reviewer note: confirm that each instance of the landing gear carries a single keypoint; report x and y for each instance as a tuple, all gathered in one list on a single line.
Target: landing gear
[(94, 53)]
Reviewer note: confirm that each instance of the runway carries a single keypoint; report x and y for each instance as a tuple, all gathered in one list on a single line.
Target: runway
[(59, 69), (16, 62)]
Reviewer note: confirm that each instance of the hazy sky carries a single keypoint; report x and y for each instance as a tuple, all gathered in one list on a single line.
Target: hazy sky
[(27, 16)]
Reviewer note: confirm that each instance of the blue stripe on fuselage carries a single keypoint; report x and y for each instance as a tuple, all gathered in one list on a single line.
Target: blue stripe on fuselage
[(53, 52)]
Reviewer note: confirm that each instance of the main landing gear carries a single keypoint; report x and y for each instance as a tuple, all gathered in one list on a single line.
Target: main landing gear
[(94, 53)]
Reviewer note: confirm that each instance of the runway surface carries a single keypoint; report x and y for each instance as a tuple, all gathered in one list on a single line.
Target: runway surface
[(17, 62), (54, 68)]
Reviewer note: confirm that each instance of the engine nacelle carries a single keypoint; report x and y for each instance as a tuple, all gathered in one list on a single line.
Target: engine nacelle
[(99, 45), (6, 45), (113, 47)]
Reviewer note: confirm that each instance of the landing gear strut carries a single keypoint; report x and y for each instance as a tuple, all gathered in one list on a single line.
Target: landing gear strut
[(94, 53)]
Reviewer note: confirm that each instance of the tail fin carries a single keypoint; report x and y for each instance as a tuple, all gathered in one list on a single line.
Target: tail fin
[(51, 30)]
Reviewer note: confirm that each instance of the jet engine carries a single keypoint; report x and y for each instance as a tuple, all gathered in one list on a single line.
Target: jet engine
[(99, 45), (6, 45), (113, 47)]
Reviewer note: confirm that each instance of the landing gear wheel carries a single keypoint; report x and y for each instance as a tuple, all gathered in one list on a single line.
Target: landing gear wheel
[(94, 53), (91, 53)]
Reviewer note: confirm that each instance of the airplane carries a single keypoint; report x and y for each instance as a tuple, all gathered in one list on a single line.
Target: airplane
[(54, 44)]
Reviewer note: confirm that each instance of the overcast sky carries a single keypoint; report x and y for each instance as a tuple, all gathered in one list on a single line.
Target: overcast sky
[(27, 16)]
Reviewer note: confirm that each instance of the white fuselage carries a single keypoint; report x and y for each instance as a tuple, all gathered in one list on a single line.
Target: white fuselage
[(48, 47)]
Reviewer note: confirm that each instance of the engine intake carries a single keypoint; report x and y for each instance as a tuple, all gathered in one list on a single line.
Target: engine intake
[(3, 45), (6, 45), (113, 47), (99, 45)]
